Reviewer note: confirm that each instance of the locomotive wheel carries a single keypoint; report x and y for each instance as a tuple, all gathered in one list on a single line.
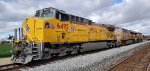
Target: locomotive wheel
[(53, 55), (68, 52)]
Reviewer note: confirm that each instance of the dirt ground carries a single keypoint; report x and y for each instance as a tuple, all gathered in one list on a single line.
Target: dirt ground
[(4, 61), (138, 62)]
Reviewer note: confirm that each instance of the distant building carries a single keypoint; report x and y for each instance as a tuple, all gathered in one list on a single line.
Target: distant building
[(5, 41)]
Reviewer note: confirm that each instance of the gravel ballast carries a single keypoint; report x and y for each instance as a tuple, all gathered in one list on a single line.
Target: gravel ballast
[(100, 61)]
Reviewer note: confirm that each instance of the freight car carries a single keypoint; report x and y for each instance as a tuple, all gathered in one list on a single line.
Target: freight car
[(52, 32)]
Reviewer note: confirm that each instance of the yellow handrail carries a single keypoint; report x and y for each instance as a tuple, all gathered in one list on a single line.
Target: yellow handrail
[(27, 33), (39, 39)]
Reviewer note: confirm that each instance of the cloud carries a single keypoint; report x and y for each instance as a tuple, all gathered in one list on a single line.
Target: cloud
[(139, 25), (80, 7), (17, 10), (126, 11), (13, 12), (130, 14), (6, 26)]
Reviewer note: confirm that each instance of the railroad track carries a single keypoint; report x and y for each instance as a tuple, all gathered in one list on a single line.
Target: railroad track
[(14, 67), (123, 61), (148, 68), (9, 67)]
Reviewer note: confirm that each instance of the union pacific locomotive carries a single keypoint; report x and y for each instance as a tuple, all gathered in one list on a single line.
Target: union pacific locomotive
[(52, 32)]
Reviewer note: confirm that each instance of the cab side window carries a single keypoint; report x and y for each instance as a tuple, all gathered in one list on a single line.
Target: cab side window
[(72, 18), (37, 13), (82, 20), (62, 16), (57, 15), (77, 19)]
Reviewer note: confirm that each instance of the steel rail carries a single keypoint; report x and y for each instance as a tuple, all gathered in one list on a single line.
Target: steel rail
[(148, 68), (9, 67)]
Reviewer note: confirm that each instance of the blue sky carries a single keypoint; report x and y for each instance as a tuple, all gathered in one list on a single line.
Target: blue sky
[(129, 14), (118, 1)]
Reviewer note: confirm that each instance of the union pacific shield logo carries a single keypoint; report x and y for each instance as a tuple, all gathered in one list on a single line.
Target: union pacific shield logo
[(72, 28), (47, 25)]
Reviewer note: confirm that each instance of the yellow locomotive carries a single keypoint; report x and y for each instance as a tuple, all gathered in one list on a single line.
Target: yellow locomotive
[(52, 32), (125, 36)]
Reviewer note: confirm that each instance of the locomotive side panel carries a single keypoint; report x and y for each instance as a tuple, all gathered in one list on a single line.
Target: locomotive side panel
[(78, 33), (104, 33), (92, 33), (57, 33), (99, 33)]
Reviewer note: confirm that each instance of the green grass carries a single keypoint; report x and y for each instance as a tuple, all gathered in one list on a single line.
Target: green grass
[(5, 50)]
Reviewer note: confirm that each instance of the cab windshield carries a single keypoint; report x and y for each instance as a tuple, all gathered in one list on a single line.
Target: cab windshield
[(47, 13)]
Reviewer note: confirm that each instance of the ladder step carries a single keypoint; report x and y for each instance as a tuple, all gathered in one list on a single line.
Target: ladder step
[(34, 51), (35, 55), (35, 47)]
